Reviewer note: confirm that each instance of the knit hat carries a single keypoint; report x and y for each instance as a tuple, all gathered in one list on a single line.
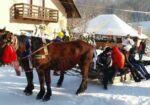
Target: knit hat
[(108, 49), (60, 34)]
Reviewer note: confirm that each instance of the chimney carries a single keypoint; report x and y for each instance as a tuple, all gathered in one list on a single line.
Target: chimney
[(139, 29)]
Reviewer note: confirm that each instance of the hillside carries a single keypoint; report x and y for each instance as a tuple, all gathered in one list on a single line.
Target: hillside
[(91, 8)]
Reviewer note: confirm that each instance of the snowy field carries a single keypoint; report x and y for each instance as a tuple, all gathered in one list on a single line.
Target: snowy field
[(128, 93)]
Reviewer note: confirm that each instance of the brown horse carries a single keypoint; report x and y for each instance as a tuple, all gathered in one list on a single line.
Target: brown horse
[(60, 56), (22, 52)]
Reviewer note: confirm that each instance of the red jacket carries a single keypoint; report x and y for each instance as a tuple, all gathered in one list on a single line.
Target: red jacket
[(118, 58), (9, 54)]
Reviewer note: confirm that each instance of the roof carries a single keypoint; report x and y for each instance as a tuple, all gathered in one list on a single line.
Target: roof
[(110, 24), (71, 9), (143, 36)]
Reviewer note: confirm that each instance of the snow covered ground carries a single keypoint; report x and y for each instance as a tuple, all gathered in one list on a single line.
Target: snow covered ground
[(128, 93)]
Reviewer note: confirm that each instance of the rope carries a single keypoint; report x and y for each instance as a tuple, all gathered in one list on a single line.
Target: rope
[(37, 50), (76, 72)]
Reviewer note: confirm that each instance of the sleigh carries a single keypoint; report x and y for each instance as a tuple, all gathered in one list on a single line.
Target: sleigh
[(97, 75), (123, 76)]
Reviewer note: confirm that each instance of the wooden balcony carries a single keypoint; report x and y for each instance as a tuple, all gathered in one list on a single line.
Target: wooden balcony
[(33, 12)]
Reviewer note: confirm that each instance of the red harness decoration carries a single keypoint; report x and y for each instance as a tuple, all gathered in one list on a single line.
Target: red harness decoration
[(9, 54), (118, 58)]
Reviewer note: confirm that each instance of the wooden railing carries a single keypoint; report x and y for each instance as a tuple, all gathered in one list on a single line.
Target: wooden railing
[(33, 12)]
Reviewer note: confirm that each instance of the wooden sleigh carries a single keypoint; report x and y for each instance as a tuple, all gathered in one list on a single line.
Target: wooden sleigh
[(120, 76)]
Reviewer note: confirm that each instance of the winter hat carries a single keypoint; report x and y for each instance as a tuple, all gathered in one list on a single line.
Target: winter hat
[(107, 49), (60, 34)]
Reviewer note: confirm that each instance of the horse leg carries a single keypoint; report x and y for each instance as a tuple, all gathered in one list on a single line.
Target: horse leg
[(30, 86), (48, 84), (29, 77), (41, 75), (60, 81), (83, 85)]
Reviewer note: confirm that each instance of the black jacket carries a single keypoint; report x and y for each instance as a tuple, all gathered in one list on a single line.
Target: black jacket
[(104, 60)]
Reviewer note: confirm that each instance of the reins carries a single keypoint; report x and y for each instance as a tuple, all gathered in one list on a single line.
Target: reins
[(37, 50)]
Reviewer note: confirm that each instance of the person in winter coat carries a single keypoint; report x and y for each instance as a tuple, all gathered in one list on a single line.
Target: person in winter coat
[(141, 49), (140, 67), (118, 58), (127, 43), (104, 60), (59, 37), (9, 56)]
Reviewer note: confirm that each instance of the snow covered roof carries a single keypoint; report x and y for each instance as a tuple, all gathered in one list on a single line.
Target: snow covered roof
[(143, 36), (110, 24)]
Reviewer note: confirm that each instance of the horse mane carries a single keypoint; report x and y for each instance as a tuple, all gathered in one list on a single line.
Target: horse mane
[(22, 38)]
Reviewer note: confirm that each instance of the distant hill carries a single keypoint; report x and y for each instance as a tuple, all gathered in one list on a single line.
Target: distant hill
[(92, 8)]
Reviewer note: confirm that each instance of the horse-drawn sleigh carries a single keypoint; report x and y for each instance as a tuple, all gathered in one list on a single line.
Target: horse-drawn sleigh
[(49, 55)]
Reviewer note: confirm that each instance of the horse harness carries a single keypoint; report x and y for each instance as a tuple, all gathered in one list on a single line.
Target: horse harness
[(40, 56), (36, 56), (44, 47)]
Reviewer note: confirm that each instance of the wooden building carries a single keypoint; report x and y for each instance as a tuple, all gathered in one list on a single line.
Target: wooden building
[(17, 15)]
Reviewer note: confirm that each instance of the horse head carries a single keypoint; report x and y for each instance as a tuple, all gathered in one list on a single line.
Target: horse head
[(21, 44), (36, 43)]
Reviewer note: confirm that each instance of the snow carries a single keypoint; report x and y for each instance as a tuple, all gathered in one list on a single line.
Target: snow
[(110, 24), (127, 93)]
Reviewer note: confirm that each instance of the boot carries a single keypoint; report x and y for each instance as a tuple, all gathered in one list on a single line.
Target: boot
[(147, 76)]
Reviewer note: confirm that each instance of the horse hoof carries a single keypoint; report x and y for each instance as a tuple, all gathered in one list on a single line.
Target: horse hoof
[(40, 95), (46, 98), (79, 91), (28, 94), (28, 90), (59, 85)]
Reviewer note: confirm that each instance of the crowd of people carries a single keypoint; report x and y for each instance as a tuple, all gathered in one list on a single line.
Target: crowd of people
[(121, 57)]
